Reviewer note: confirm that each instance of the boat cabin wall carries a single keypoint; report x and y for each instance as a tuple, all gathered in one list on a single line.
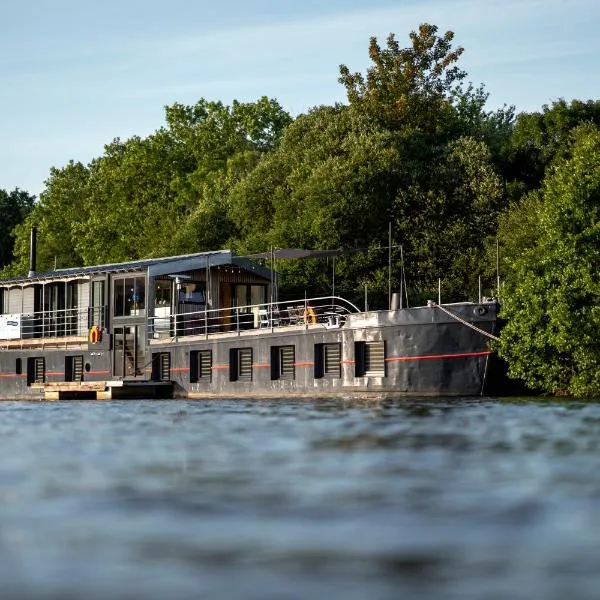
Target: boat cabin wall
[(188, 292), (44, 309)]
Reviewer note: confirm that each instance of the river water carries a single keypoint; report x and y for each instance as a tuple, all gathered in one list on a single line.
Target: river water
[(283, 499)]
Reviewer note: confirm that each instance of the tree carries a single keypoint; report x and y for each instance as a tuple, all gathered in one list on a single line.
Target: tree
[(226, 143), (339, 178), (167, 193), (551, 298), (14, 208), (56, 216), (132, 207), (163, 194), (407, 86), (540, 138), (410, 150)]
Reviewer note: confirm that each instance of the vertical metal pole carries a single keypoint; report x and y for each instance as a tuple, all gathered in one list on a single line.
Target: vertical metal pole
[(305, 314), (390, 265), (439, 290), (479, 291), (366, 304), (272, 281), (333, 279), (206, 296), (275, 282), (401, 276), (177, 290)]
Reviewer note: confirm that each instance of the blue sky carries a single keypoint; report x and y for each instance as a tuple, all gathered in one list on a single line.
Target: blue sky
[(74, 74)]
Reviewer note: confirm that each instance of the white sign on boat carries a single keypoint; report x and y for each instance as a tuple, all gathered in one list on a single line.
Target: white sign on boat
[(10, 327)]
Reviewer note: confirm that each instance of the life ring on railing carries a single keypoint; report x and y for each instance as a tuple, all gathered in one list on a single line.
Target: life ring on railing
[(310, 316), (95, 334)]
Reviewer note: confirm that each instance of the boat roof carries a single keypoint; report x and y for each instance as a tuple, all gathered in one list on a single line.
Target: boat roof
[(169, 265)]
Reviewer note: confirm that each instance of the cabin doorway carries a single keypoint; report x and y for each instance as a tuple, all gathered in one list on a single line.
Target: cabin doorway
[(130, 351)]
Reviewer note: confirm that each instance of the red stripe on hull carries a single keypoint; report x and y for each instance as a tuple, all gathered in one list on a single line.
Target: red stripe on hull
[(437, 356)]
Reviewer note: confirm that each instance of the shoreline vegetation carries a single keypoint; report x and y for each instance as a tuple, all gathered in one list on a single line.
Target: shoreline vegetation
[(413, 157)]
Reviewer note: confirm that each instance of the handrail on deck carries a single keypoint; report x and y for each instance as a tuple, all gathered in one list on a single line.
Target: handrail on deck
[(51, 323), (328, 311)]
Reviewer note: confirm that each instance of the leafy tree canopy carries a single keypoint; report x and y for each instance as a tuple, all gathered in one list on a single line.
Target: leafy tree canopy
[(339, 178), (407, 86), (552, 296), (158, 195), (541, 137), (14, 208), (56, 215)]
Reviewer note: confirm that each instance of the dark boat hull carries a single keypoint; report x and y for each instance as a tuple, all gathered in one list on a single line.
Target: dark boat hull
[(420, 352)]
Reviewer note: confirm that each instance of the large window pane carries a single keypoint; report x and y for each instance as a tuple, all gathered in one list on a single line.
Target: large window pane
[(130, 296), (119, 298)]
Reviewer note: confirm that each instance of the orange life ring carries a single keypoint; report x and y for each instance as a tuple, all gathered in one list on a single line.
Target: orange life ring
[(310, 316), (95, 334)]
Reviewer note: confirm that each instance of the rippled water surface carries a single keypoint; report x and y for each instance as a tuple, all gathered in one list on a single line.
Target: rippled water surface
[(283, 499)]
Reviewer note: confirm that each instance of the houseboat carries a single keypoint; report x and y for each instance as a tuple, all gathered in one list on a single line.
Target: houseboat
[(211, 324)]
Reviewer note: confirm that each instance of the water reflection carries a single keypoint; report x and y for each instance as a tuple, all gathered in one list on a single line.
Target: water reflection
[(448, 498)]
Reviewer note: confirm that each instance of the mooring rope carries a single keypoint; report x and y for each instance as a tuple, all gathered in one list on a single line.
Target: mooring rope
[(451, 314)]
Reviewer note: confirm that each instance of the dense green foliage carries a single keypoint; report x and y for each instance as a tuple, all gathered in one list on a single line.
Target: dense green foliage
[(163, 194), (14, 208), (414, 149), (409, 150), (552, 300), (539, 138)]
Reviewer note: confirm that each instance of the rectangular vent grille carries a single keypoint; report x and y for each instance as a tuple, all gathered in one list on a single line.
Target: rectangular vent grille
[(76, 368), (245, 364), (288, 358), (200, 366), (165, 366), (375, 359), (39, 373), (205, 365), (332, 360)]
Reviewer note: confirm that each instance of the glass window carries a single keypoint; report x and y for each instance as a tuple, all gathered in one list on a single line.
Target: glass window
[(162, 293), (192, 292), (240, 295), (257, 294), (97, 309), (130, 296), (119, 298), (245, 294)]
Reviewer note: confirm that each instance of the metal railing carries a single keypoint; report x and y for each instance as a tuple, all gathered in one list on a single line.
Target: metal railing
[(328, 311), (51, 323)]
